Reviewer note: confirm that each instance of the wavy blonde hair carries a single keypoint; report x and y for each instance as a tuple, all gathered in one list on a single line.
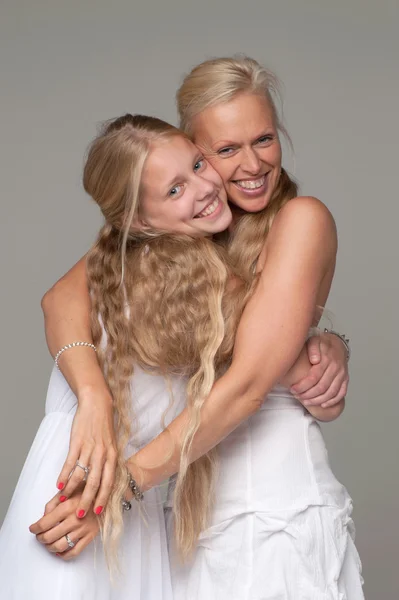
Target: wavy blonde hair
[(164, 303), (218, 81)]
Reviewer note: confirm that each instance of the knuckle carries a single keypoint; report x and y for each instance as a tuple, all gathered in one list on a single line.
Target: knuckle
[(112, 455), (45, 538), (93, 484), (59, 546)]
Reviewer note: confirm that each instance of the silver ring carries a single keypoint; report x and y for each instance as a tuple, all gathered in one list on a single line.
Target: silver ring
[(71, 544), (85, 469)]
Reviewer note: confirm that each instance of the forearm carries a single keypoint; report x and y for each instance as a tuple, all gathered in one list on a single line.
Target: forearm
[(235, 397), (66, 308), (229, 404)]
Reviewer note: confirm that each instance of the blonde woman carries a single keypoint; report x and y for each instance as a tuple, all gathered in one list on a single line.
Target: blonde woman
[(144, 304), (280, 524)]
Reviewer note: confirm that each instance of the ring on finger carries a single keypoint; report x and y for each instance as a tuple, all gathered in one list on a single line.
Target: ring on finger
[(71, 544), (85, 469)]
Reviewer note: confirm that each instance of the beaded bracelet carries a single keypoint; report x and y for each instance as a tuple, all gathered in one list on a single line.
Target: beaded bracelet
[(73, 345), (343, 339), (137, 494)]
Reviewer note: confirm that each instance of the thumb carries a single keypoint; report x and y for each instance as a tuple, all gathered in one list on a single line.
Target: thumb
[(314, 351)]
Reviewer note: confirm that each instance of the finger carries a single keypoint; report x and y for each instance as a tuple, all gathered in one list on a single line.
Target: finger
[(314, 350), (53, 503), (310, 380), (328, 396), (77, 549), (69, 464), (61, 545), (78, 474), (330, 376), (92, 485), (107, 483), (57, 532), (49, 521), (340, 396)]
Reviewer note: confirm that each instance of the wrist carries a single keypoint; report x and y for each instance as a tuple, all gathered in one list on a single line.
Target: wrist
[(137, 474), (94, 393), (343, 339)]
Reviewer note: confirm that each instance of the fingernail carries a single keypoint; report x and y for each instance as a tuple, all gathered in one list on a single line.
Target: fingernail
[(57, 554), (63, 498), (99, 510), (307, 402), (81, 513), (61, 485)]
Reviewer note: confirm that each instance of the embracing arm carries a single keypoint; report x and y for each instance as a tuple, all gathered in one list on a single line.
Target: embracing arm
[(299, 264), (66, 307)]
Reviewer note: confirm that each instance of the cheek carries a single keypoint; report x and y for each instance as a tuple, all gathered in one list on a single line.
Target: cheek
[(223, 167)]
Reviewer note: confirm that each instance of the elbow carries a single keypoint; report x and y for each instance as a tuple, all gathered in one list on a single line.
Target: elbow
[(48, 300)]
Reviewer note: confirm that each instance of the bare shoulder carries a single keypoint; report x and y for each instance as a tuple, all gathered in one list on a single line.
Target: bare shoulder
[(303, 216), (305, 223), (306, 209)]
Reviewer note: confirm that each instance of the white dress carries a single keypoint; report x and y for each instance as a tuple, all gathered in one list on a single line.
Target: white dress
[(27, 570), (281, 528)]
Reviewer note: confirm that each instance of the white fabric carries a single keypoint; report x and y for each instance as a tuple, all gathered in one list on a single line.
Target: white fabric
[(27, 570), (281, 527)]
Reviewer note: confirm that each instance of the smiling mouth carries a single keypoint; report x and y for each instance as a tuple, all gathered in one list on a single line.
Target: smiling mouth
[(251, 184), (209, 209)]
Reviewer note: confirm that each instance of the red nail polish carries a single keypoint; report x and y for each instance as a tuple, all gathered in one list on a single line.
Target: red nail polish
[(57, 554), (81, 513), (61, 485), (99, 510), (63, 498)]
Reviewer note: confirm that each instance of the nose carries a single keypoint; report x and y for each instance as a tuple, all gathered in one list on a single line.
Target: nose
[(250, 162), (205, 188)]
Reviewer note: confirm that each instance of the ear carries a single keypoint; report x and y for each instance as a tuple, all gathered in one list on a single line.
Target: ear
[(140, 223)]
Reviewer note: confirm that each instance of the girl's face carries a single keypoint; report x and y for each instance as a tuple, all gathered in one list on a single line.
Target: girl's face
[(240, 140), (182, 192)]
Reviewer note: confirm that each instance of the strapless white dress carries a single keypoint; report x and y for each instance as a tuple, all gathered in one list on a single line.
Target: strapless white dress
[(27, 570), (281, 527)]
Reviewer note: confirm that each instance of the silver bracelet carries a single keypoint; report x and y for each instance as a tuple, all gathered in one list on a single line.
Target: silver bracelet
[(73, 345), (137, 494), (343, 339)]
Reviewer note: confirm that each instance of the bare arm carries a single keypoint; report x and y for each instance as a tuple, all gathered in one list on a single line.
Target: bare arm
[(66, 308), (300, 260)]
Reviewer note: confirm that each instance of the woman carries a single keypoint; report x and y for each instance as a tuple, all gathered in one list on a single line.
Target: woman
[(130, 173), (233, 119)]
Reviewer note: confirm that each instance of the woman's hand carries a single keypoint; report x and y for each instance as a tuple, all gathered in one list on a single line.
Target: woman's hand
[(59, 521), (327, 381), (92, 445)]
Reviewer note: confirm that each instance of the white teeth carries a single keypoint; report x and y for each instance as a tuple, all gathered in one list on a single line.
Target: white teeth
[(252, 184), (209, 209)]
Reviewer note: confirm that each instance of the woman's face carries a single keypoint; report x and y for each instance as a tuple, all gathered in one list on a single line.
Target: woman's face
[(240, 140), (182, 192)]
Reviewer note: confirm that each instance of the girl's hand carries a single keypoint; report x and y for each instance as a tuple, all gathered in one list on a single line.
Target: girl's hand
[(327, 381), (60, 520)]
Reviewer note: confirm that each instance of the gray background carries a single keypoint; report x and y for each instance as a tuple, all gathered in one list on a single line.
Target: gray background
[(66, 66)]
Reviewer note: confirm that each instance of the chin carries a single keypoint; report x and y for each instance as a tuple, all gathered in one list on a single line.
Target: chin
[(250, 206)]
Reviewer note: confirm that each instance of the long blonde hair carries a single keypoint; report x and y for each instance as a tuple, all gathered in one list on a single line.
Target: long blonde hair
[(163, 302), (218, 81)]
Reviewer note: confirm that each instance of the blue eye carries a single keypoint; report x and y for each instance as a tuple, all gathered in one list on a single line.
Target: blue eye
[(226, 151), (199, 164), (175, 190), (264, 139)]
